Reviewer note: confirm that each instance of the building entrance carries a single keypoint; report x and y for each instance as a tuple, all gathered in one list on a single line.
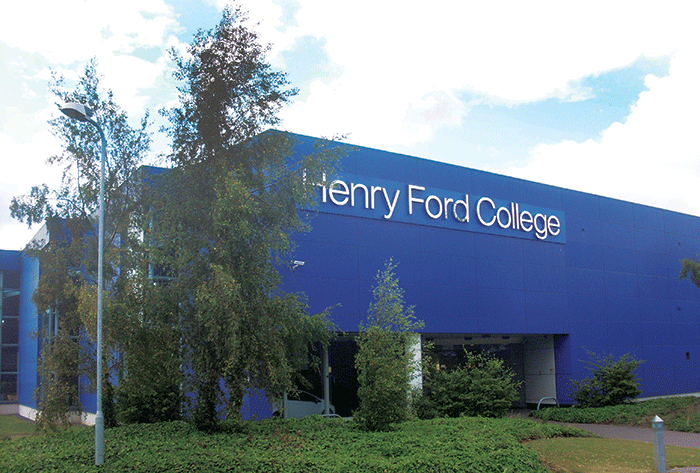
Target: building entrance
[(531, 357)]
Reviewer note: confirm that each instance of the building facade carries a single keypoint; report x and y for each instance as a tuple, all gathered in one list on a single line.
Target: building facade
[(536, 274)]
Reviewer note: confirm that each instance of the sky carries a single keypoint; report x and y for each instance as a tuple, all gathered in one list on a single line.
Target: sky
[(595, 96)]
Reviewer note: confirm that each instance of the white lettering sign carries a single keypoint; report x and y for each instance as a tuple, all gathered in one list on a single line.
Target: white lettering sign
[(442, 208)]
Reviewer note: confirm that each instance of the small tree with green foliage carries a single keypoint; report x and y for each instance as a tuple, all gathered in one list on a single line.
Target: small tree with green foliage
[(691, 268), (384, 362), (613, 382), (223, 221), (481, 386), (67, 286)]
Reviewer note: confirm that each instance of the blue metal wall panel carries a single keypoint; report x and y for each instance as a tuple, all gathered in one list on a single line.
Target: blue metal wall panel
[(500, 308), (486, 183), (447, 242), (550, 255), (655, 310), (619, 259), (546, 312), (540, 194), (582, 229), (498, 248), (648, 218), (584, 256), (653, 264), (609, 286), (448, 177), (495, 274), (651, 241), (27, 379), (618, 236), (617, 212), (10, 260), (581, 204), (612, 287), (544, 278)]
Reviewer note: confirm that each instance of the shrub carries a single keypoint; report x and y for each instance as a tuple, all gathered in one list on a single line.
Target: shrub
[(159, 403), (482, 386), (613, 382)]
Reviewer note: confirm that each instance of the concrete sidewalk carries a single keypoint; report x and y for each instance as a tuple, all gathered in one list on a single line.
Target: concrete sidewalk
[(641, 434)]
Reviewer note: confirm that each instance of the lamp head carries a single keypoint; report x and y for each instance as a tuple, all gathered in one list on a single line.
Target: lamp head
[(76, 111)]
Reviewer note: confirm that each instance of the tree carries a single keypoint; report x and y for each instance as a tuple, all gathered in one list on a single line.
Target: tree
[(68, 261), (223, 220), (385, 363), (691, 268)]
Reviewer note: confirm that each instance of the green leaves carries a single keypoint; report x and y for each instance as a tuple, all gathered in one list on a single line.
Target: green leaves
[(305, 445), (229, 93), (614, 381), (192, 254), (68, 260), (384, 361), (224, 216), (691, 268), (482, 386)]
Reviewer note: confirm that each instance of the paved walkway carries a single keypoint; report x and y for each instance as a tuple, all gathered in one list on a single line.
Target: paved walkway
[(682, 439)]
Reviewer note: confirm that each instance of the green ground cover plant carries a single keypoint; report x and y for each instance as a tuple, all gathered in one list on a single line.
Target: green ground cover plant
[(678, 413), (309, 445)]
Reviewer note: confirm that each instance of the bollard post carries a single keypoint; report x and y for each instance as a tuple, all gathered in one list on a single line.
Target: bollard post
[(657, 426)]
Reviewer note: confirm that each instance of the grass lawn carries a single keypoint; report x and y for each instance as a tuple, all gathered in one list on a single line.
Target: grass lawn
[(13, 426), (603, 455), (595, 455), (678, 413)]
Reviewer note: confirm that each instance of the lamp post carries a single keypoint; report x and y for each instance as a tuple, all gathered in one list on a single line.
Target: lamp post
[(80, 112)]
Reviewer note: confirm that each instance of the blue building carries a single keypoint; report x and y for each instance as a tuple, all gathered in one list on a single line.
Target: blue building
[(18, 353), (535, 274)]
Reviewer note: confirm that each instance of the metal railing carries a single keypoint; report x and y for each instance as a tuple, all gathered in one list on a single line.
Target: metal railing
[(544, 398)]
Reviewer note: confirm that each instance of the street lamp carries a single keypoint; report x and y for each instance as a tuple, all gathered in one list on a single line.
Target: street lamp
[(80, 112)]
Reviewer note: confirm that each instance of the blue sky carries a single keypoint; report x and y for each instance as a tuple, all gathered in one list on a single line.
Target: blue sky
[(600, 97)]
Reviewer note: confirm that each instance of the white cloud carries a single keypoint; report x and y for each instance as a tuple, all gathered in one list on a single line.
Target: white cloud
[(651, 158), (23, 167), (394, 57), (129, 38), (69, 33), (403, 66), (401, 72)]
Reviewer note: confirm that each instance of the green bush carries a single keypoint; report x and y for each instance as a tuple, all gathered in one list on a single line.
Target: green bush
[(482, 386), (613, 382), (160, 403)]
